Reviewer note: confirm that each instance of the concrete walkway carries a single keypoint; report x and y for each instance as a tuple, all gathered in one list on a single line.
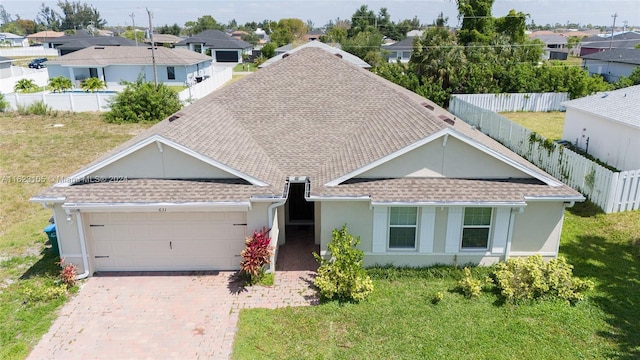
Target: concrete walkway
[(163, 315)]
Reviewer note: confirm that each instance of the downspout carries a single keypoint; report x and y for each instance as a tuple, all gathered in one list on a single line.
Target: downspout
[(270, 215), (83, 247)]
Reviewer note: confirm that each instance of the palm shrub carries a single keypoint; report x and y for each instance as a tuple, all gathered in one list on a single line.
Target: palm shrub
[(256, 255), (343, 277), (4, 104), (93, 84), (60, 84), (25, 86), (143, 102)]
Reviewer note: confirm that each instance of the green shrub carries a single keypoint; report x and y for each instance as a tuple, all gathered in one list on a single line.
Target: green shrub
[(342, 277), (35, 292), (470, 286), (37, 108), (143, 102), (60, 84), (4, 104), (533, 278), (25, 86)]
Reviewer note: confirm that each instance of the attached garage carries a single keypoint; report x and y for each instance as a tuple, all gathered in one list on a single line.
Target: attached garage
[(227, 56), (165, 241)]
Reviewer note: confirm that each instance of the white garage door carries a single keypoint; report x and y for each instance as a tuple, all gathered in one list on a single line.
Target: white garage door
[(166, 241)]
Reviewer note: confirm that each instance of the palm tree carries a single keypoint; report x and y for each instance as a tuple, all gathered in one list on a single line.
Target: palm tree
[(25, 85), (93, 84), (60, 84)]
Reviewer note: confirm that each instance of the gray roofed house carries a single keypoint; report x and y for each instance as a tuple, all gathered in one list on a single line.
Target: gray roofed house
[(10, 39), (73, 44), (5, 67), (612, 64), (624, 40), (607, 126), (114, 64), (400, 51), (416, 184), (223, 47), (291, 48)]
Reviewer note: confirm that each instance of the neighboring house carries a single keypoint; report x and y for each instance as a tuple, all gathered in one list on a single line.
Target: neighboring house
[(417, 185), (46, 38), (612, 64), (5, 67), (223, 48), (624, 40), (313, 35), (166, 40), (555, 46), (607, 126), (238, 34), (415, 33), (262, 36), (399, 51), (316, 44), (71, 44), (114, 64), (13, 40)]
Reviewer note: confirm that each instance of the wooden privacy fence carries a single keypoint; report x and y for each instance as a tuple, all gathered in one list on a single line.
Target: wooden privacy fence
[(612, 191), (516, 102)]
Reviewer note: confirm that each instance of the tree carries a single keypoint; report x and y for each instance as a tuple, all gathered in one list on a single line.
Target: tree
[(513, 26), (268, 50), (49, 18), (206, 22), (25, 86), (233, 24), (60, 84), (166, 29), (334, 35), (79, 15), (93, 84), (134, 34), (365, 45), (363, 20), (251, 38), (288, 31), (142, 102), (5, 17), (477, 22)]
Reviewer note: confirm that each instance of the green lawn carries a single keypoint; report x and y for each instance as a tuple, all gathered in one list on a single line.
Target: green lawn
[(547, 124), (400, 322), (245, 67), (34, 153)]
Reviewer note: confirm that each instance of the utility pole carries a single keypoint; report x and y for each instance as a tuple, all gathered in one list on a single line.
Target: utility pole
[(614, 16), (624, 29), (135, 34), (153, 50)]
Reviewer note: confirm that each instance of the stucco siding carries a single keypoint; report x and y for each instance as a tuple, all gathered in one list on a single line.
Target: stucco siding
[(456, 159), (150, 162), (356, 214), (68, 237), (440, 230), (422, 260), (537, 229), (612, 142)]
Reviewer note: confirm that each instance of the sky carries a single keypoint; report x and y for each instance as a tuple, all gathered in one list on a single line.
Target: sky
[(116, 12)]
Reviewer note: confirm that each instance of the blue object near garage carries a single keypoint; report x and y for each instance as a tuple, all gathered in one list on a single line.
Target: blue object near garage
[(53, 238)]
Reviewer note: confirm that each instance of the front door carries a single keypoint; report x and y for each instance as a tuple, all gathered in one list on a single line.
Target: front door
[(299, 210)]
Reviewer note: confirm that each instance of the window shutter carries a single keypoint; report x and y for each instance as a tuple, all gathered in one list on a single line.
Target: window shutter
[(454, 230), (427, 226), (501, 230)]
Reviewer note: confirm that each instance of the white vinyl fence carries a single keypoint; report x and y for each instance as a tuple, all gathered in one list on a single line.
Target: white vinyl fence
[(35, 51), (39, 76), (612, 191), (80, 102), (516, 102)]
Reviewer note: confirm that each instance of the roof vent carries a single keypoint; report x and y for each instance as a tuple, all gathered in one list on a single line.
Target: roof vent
[(447, 119), (428, 106), (285, 55), (338, 55), (99, 47), (175, 116)]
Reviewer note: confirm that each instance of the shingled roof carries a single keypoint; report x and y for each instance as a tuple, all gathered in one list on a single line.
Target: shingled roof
[(215, 39), (264, 126), (129, 55)]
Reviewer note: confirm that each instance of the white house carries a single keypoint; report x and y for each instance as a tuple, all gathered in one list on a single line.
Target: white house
[(312, 141), (13, 40), (607, 126), (612, 64), (222, 47), (114, 64)]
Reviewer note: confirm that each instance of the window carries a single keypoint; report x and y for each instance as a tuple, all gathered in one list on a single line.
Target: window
[(403, 227), (93, 72), (171, 73), (476, 228)]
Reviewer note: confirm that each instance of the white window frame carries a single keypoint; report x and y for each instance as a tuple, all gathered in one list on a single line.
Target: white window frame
[(489, 235), (389, 226)]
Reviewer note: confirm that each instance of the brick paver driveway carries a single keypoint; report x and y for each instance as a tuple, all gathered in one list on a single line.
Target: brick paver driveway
[(163, 316)]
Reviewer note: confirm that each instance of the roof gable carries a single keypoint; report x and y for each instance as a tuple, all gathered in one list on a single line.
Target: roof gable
[(215, 39), (290, 49), (158, 158), (129, 55)]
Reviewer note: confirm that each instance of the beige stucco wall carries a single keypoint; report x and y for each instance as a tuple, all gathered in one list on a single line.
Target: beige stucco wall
[(456, 159), (356, 214), (68, 237), (440, 231), (422, 260), (150, 162), (538, 228)]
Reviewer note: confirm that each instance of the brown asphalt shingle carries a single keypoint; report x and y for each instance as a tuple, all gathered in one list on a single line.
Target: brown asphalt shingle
[(314, 114)]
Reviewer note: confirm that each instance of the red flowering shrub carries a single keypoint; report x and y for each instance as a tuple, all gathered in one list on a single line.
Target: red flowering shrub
[(68, 274), (256, 254)]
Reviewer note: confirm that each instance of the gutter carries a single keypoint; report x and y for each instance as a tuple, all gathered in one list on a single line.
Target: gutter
[(154, 207), (83, 247)]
